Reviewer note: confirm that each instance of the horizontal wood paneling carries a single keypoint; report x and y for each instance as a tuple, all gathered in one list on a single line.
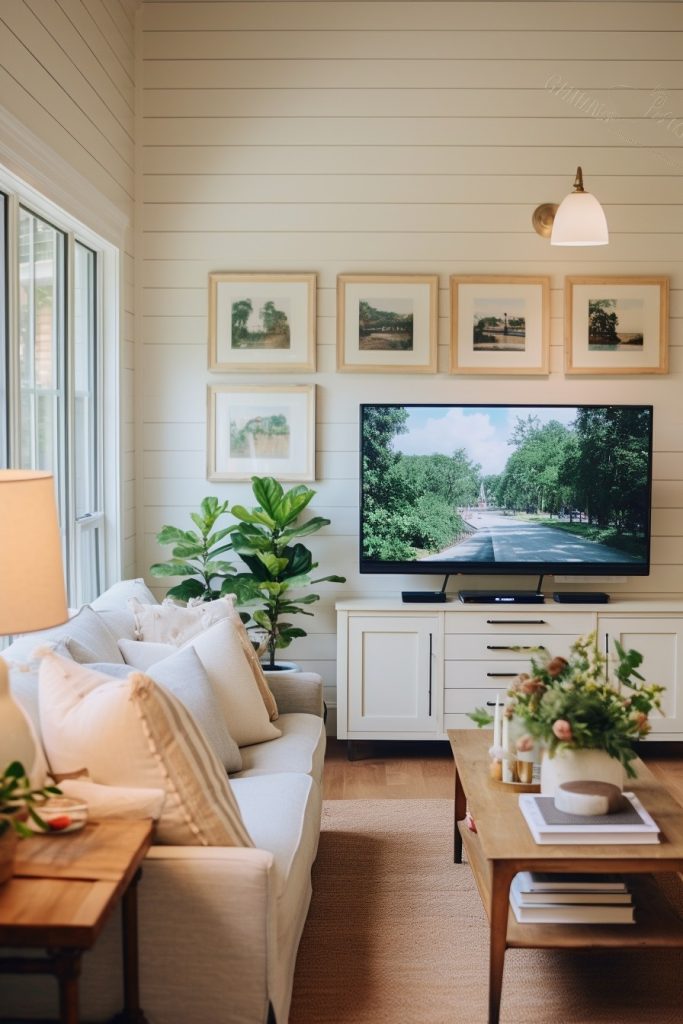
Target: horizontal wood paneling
[(398, 137)]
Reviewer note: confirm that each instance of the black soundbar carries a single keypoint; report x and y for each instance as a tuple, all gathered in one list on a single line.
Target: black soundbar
[(581, 597), (501, 596)]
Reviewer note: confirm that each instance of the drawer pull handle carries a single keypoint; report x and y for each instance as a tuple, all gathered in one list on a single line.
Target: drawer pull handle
[(505, 647), (501, 675), (516, 622)]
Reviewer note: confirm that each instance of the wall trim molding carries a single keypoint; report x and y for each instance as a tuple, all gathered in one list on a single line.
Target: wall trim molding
[(38, 166)]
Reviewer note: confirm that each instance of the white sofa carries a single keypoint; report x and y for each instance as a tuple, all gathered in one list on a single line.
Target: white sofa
[(219, 927)]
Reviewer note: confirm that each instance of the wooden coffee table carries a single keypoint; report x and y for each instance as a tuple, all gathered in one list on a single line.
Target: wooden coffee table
[(503, 845), (63, 890)]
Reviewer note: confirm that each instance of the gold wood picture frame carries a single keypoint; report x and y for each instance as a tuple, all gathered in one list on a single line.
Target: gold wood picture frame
[(500, 325), (262, 322), (387, 323), (616, 325), (261, 431)]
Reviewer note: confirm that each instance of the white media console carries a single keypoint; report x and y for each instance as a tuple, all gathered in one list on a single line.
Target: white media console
[(412, 671)]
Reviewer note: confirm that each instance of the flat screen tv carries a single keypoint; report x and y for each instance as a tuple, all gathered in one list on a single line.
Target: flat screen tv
[(505, 489)]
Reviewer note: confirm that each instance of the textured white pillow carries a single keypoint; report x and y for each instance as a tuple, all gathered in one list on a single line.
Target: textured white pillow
[(253, 659), (131, 732), (184, 675), (221, 653), (143, 654), (173, 623)]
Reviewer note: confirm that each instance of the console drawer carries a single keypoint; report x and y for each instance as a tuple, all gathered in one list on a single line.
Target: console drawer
[(495, 675), (493, 647), (534, 621)]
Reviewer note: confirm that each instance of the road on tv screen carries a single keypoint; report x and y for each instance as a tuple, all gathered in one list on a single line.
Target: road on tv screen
[(502, 538)]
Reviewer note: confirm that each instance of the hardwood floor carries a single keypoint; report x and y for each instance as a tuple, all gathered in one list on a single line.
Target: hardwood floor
[(413, 770)]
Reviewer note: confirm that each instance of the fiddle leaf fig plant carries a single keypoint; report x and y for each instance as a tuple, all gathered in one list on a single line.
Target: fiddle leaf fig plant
[(267, 540), (18, 799), (196, 555)]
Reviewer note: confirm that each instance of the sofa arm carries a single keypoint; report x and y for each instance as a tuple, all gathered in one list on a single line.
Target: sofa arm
[(297, 691)]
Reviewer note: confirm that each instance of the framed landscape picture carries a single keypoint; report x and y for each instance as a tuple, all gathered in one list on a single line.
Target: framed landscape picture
[(500, 325), (616, 325), (261, 431), (262, 322), (387, 323)]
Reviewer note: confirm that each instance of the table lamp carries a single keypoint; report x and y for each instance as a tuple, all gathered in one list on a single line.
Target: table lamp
[(32, 594)]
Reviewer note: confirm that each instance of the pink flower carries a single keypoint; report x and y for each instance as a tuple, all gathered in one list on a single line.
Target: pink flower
[(640, 721), (531, 686), (557, 666), (563, 730), (525, 743)]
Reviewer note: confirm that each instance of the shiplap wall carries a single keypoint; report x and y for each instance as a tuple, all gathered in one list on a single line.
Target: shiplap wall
[(396, 137), (67, 74)]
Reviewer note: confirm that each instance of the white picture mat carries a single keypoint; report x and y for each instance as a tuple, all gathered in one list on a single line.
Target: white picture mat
[(648, 355), (531, 357), (374, 292), (297, 408), (294, 293)]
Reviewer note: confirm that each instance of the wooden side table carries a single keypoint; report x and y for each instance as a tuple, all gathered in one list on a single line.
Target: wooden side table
[(62, 893)]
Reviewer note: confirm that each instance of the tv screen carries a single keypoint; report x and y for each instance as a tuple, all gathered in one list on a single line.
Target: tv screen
[(484, 489)]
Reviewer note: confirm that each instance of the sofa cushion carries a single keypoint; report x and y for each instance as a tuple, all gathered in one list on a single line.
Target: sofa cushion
[(115, 801), (131, 732), (174, 623), (252, 659), (119, 594), (282, 813), (88, 638), (222, 655), (143, 653), (183, 674), (300, 748)]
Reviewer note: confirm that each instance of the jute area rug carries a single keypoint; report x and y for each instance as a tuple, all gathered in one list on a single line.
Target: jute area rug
[(397, 933)]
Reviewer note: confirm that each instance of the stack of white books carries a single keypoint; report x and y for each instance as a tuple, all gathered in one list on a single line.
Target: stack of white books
[(538, 898), (633, 824)]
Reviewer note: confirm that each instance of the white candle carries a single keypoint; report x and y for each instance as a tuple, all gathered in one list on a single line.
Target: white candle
[(496, 723), (507, 766)]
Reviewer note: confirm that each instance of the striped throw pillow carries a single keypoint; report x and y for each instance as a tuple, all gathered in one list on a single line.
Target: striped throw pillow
[(131, 732)]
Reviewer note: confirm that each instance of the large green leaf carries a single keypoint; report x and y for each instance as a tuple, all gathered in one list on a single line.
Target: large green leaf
[(273, 564), (311, 526), (256, 515), (292, 504), (292, 582), (268, 493), (218, 568), (187, 550), (300, 560), (172, 535), (187, 590), (212, 509), (330, 579), (173, 569)]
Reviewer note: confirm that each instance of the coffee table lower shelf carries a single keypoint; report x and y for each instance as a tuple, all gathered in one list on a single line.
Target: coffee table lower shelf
[(657, 923)]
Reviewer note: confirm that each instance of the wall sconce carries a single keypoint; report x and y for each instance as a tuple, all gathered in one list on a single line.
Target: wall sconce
[(578, 220)]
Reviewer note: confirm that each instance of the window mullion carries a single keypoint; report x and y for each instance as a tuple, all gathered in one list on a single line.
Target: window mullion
[(68, 418)]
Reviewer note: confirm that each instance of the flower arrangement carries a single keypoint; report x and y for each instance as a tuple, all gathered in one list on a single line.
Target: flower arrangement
[(574, 704), (18, 800)]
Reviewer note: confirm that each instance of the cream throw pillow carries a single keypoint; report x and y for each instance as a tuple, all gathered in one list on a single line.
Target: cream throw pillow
[(223, 656), (131, 732), (252, 658), (143, 654), (173, 623)]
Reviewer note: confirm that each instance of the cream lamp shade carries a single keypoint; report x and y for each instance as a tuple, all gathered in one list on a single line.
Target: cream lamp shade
[(32, 594), (580, 219)]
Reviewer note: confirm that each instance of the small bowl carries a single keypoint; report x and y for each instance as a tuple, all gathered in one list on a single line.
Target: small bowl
[(62, 814)]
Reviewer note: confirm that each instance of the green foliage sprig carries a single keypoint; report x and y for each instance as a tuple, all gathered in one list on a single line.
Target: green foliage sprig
[(196, 555), (573, 704), (17, 796), (264, 540)]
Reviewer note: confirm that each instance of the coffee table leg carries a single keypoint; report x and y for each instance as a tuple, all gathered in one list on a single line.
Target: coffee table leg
[(459, 810), (66, 964), (501, 877)]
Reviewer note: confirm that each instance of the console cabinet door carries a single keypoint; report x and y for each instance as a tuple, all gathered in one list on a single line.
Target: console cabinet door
[(660, 641), (394, 678)]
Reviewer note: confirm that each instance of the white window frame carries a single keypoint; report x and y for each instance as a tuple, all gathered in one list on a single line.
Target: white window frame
[(108, 395)]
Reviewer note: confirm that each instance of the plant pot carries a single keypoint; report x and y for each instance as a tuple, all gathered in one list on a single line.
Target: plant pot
[(281, 666), (579, 765), (8, 845)]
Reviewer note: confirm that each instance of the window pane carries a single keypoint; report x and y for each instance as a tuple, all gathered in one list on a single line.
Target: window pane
[(85, 383), (41, 346), (88, 563)]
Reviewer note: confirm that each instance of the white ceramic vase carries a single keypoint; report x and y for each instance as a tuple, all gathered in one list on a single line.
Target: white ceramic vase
[(575, 765)]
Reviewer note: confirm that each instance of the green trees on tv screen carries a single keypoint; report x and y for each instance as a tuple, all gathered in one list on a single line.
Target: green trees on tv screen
[(591, 477)]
